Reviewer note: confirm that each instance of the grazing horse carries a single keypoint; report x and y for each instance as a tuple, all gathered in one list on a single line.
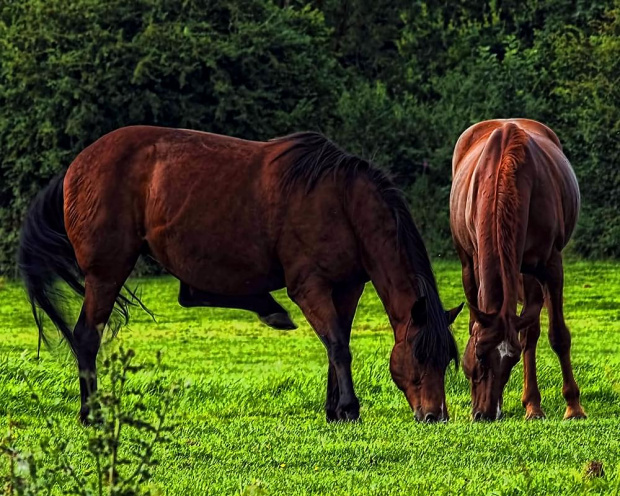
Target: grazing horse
[(239, 218), (513, 207)]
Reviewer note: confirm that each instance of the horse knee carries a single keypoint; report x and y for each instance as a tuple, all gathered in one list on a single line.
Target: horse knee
[(560, 341), (339, 354)]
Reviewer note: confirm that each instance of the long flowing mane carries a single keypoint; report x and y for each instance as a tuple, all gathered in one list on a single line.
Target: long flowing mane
[(312, 158)]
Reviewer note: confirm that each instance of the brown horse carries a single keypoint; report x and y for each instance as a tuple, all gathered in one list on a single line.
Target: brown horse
[(513, 208), (239, 219)]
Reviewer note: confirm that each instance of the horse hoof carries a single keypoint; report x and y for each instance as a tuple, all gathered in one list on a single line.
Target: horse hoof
[(575, 413), (87, 419), (534, 414), (280, 321), (350, 413), (331, 415)]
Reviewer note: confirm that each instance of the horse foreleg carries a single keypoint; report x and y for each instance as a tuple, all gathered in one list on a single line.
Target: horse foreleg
[(345, 300), (314, 297)]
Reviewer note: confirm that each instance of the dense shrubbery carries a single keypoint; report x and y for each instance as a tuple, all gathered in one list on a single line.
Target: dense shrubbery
[(393, 81)]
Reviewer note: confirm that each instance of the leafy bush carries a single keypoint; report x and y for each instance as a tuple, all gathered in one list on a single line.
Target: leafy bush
[(121, 413)]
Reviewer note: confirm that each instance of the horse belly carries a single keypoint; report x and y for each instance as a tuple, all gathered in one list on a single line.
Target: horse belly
[(206, 225), (217, 265)]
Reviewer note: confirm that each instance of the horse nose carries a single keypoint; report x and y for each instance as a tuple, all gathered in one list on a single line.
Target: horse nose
[(478, 416), (430, 418), (418, 415)]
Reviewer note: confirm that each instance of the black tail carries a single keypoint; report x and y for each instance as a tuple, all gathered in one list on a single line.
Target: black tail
[(46, 256)]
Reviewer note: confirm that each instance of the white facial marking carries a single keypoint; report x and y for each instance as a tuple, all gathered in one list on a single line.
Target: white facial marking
[(499, 412), (504, 350)]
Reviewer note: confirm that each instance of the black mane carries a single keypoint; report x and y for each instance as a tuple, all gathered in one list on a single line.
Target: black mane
[(313, 158)]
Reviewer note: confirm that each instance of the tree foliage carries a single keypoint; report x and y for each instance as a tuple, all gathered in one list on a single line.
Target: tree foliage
[(392, 80)]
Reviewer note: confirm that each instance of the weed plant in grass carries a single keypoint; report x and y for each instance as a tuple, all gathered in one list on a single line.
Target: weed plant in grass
[(252, 421), (119, 446)]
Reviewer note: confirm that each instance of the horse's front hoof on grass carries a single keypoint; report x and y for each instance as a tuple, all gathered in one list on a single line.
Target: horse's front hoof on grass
[(534, 413), (575, 413), (280, 321), (88, 419), (331, 415), (348, 413), (85, 418)]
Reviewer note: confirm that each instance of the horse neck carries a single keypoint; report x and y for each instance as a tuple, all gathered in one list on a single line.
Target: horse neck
[(384, 258)]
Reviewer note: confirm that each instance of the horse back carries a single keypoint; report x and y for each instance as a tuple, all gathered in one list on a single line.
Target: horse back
[(197, 202), (546, 193), (211, 209)]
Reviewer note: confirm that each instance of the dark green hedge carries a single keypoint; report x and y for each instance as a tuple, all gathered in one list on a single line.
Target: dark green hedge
[(393, 80)]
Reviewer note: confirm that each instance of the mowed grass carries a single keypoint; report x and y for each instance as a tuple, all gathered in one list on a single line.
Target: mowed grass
[(252, 419)]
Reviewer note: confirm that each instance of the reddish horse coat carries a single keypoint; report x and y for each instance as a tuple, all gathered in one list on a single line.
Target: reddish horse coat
[(513, 207), (233, 217)]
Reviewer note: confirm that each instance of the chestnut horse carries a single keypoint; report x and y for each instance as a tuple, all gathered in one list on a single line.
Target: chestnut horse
[(239, 219), (513, 207)]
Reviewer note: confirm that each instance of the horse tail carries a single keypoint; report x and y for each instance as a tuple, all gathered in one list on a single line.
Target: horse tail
[(46, 256), (514, 141)]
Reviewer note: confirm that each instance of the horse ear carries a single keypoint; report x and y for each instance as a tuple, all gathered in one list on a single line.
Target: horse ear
[(529, 315), (484, 319), (452, 314), (419, 315), (486, 341)]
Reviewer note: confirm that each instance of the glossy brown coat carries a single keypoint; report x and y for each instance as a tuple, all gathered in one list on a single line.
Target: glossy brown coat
[(513, 207), (233, 217)]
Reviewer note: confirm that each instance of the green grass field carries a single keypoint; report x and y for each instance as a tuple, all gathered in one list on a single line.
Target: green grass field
[(252, 420)]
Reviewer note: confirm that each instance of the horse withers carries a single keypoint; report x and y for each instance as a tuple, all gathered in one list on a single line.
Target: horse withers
[(239, 219), (513, 207)]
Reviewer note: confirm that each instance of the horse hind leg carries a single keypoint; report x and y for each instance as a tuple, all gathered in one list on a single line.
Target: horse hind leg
[(269, 311), (101, 290), (559, 335)]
